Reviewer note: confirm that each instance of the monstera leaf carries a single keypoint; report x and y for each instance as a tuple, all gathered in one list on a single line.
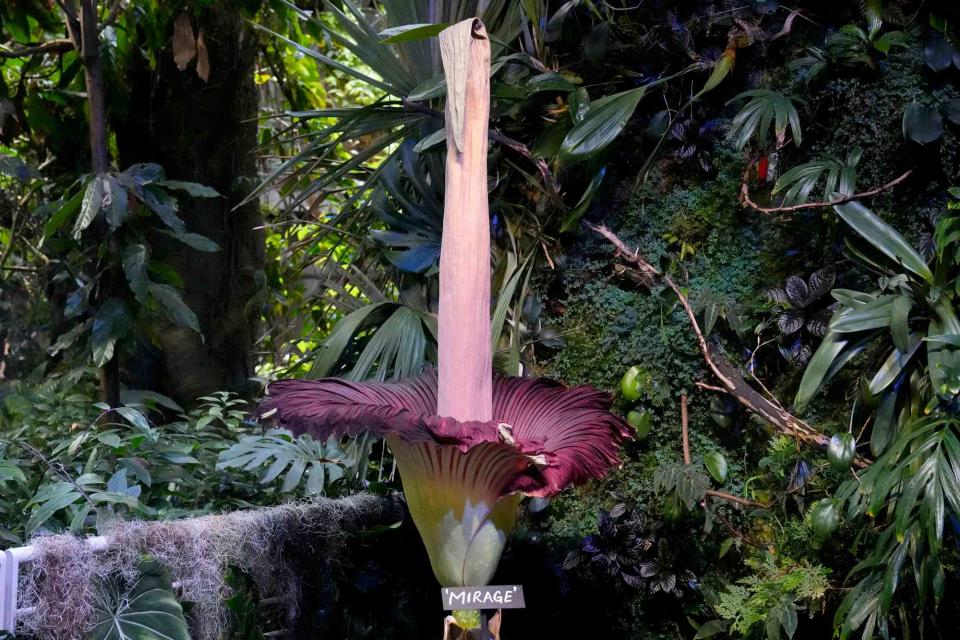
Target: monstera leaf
[(147, 610)]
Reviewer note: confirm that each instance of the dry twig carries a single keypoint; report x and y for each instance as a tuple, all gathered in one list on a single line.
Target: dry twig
[(748, 201), (685, 441), (730, 378)]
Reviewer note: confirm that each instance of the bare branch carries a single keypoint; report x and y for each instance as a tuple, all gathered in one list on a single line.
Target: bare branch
[(730, 378), (736, 533), (729, 497), (12, 267), (710, 387), (745, 196), (53, 46), (685, 440), (684, 429)]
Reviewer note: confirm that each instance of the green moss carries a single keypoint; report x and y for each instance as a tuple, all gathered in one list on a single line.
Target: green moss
[(612, 324), (866, 111)]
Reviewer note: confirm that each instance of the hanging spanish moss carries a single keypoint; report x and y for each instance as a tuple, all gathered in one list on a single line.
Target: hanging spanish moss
[(60, 587)]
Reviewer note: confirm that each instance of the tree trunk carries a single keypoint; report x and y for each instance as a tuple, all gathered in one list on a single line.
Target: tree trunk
[(203, 132), (99, 165)]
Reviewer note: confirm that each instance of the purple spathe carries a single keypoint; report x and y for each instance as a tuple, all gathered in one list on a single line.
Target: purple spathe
[(568, 434)]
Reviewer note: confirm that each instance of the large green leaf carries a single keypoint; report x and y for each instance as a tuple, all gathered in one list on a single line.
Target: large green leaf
[(894, 365), (839, 177), (118, 210), (851, 298), (504, 298), (765, 108), (603, 123), (432, 87), (49, 500), (401, 340), (135, 259), (873, 315), (572, 217), (61, 214), (717, 465), (10, 471), (332, 351), (411, 32), (193, 240), (883, 237), (173, 306), (721, 69), (952, 340), (944, 325), (91, 205), (291, 458), (884, 426), (193, 189), (147, 611), (313, 53), (397, 348), (432, 140), (819, 366), (900, 322), (111, 324), (921, 123), (164, 205)]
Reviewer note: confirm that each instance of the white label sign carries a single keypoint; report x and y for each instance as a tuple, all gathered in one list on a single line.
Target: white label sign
[(499, 597)]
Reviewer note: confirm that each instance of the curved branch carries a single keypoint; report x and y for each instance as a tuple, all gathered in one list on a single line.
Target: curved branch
[(728, 375), (745, 196), (652, 272)]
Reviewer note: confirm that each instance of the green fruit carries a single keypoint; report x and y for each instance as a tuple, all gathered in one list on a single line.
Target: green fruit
[(641, 421), (824, 518), (841, 451), (722, 410), (630, 383), (717, 466)]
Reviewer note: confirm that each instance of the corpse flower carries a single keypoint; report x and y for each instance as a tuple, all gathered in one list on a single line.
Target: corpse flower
[(468, 446)]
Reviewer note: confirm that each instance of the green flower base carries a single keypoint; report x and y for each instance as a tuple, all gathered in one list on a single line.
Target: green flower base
[(467, 618)]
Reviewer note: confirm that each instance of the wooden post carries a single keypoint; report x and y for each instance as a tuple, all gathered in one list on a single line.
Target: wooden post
[(484, 624), (465, 361)]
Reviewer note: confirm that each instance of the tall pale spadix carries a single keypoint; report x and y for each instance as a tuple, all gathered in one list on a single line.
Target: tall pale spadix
[(468, 445), (465, 363)]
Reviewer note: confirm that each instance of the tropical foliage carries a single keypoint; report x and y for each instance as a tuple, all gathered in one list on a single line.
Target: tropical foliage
[(253, 191)]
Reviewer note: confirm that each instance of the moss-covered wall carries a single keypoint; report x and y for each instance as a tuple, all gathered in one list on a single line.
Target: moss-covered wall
[(611, 323)]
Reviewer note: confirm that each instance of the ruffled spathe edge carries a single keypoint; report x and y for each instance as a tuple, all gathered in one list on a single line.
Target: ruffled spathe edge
[(567, 434)]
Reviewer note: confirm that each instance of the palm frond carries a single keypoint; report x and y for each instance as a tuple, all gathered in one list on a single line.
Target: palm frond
[(839, 177), (765, 108)]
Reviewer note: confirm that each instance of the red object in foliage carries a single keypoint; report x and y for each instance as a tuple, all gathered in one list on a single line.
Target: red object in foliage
[(762, 164)]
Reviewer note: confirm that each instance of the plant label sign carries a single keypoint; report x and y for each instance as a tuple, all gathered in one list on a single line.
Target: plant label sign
[(499, 597)]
